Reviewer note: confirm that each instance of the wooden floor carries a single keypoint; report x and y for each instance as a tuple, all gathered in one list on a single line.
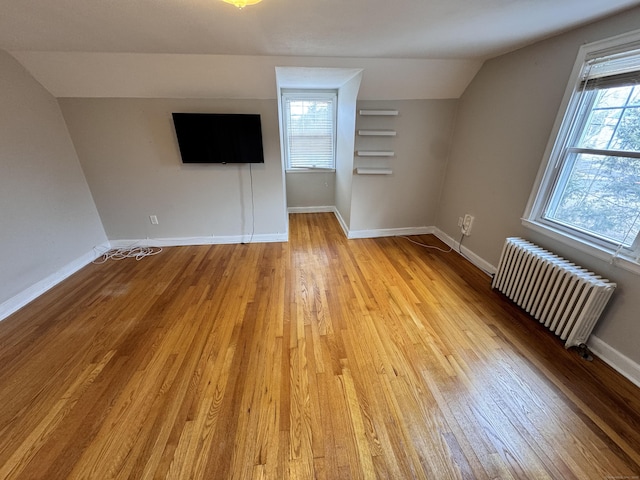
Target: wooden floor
[(320, 358)]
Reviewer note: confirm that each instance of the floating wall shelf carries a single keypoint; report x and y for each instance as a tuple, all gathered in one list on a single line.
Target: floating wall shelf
[(377, 133), (378, 112), (375, 153), (373, 171)]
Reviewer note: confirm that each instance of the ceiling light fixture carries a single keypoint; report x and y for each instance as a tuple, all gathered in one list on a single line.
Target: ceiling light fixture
[(242, 3)]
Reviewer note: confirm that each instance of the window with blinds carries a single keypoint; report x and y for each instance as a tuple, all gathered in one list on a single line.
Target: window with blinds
[(309, 130), (591, 187)]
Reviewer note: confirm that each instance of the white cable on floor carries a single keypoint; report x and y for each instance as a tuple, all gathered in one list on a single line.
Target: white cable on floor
[(128, 252), (427, 246)]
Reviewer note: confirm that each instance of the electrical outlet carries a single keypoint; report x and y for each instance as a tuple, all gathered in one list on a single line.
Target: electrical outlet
[(467, 223), (153, 219)]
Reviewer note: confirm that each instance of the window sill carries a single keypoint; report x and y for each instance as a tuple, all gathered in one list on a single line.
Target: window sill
[(597, 251), (311, 170)]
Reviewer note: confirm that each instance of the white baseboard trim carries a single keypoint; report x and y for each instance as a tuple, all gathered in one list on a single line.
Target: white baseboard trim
[(478, 261), (184, 241), (389, 232), (29, 294), (342, 223), (18, 301), (616, 360), (374, 233), (380, 232), (323, 209)]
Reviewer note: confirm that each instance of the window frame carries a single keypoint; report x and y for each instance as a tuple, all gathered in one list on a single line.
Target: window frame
[(568, 124), (309, 95)]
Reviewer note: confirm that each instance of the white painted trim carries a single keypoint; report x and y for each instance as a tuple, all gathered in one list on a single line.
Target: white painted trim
[(616, 360), (18, 301), (478, 261), (382, 232), (585, 246), (389, 232), (322, 209), (184, 241), (543, 184), (373, 171), (342, 223)]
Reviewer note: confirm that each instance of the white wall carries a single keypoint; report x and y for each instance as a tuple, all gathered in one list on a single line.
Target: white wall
[(130, 155), (47, 217), (408, 198), (504, 122), (346, 124), (311, 189)]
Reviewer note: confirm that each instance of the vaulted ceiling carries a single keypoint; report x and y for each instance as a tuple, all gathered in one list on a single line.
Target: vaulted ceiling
[(418, 31), (328, 28)]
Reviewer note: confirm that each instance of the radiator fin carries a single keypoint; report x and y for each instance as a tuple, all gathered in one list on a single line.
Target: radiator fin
[(565, 297)]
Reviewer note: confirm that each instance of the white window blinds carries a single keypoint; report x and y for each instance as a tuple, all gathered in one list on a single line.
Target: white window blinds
[(310, 131), (612, 70)]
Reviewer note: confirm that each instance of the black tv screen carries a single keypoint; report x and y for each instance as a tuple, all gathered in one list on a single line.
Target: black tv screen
[(219, 137)]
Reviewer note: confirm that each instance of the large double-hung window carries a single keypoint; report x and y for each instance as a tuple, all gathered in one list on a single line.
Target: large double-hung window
[(590, 190), (309, 130)]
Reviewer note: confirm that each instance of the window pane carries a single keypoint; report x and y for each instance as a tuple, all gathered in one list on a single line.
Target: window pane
[(614, 122), (601, 195), (635, 97), (600, 128), (627, 135), (613, 97), (310, 133)]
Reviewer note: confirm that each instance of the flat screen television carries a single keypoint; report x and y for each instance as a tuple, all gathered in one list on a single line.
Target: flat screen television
[(219, 137)]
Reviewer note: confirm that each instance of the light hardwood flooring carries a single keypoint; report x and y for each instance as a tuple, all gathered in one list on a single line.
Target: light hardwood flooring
[(318, 358)]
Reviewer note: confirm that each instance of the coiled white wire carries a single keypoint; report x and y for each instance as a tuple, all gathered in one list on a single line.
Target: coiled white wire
[(137, 252)]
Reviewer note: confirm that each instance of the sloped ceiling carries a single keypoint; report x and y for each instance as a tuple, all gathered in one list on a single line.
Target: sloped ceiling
[(210, 48), (69, 74)]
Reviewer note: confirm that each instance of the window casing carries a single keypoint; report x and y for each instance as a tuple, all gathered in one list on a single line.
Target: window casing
[(309, 130), (588, 191)]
